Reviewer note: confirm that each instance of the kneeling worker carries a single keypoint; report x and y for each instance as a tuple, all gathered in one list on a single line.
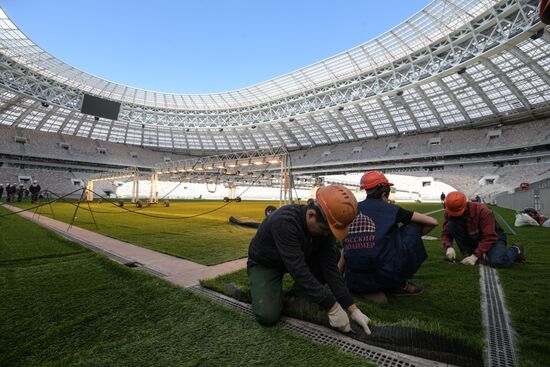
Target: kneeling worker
[(477, 234), (379, 256), (298, 239)]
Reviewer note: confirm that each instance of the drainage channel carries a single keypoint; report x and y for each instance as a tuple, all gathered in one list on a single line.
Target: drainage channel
[(499, 334), (323, 335)]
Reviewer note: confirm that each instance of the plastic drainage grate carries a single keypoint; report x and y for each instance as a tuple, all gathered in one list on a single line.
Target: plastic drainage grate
[(320, 334), (499, 335)]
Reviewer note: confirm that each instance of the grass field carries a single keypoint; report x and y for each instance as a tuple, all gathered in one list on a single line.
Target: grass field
[(527, 293), (209, 239), (450, 306), (62, 305)]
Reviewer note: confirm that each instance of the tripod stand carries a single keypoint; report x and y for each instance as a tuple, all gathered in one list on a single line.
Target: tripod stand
[(82, 197)]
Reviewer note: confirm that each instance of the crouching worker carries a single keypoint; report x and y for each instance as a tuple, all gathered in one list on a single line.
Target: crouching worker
[(478, 235), (380, 257), (298, 239)]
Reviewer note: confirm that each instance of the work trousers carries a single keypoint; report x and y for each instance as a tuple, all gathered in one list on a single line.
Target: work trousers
[(498, 255), (266, 289), (400, 264)]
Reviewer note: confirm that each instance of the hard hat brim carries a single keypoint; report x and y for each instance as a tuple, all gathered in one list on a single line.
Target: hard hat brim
[(340, 234), (455, 213)]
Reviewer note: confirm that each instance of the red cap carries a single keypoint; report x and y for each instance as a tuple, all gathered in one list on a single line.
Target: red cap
[(455, 203), (372, 179)]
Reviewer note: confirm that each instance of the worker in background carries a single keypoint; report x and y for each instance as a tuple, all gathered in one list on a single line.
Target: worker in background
[(19, 191), (379, 255), (8, 190), (300, 240), (13, 190), (35, 190), (1, 191), (442, 197), (478, 235)]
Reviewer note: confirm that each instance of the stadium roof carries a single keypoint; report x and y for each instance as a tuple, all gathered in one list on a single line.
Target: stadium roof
[(453, 63)]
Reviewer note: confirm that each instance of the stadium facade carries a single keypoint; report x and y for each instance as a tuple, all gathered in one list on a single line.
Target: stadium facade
[(469, 75)]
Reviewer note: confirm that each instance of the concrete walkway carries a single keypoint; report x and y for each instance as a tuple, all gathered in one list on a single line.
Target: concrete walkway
[(176, 270)]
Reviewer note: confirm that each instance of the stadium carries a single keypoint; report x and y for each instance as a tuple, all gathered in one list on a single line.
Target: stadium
[(133, 248)]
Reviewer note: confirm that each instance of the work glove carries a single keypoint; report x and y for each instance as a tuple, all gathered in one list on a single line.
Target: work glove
[(361, 319), (451, 254), (470, 260), (338, 318)]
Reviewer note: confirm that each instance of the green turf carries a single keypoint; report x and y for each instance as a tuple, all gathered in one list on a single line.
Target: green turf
[(449, 306), (62, 305), (526, 288), (209, 239)]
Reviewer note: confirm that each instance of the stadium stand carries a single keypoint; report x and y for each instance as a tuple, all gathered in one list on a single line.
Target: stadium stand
[(59, 181), (389, 107), (37, 144)]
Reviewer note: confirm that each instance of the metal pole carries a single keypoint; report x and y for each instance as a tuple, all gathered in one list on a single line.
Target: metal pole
[(76, 209), (281, 179)]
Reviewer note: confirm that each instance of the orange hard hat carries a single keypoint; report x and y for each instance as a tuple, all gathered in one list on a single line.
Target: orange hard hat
[(339, 206), (372, 179), (455, 203)]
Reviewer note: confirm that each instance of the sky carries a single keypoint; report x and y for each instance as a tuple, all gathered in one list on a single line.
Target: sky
[(201, 46)]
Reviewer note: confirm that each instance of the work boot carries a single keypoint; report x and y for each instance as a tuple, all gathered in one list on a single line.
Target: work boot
[(410, 289), (378, 298), (521, 253)]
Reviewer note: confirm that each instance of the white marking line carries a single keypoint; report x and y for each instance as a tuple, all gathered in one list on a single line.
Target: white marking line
[(433, 211)]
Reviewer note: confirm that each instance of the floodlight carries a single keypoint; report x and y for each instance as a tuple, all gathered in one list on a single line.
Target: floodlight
[(399, 93), (341, 108), (461, 71), (96, 118), (45, 104)]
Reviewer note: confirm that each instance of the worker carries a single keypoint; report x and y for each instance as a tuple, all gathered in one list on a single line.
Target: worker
[(478, 235), (300, 240), (19, 192), (379, 255), (35, 191)]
